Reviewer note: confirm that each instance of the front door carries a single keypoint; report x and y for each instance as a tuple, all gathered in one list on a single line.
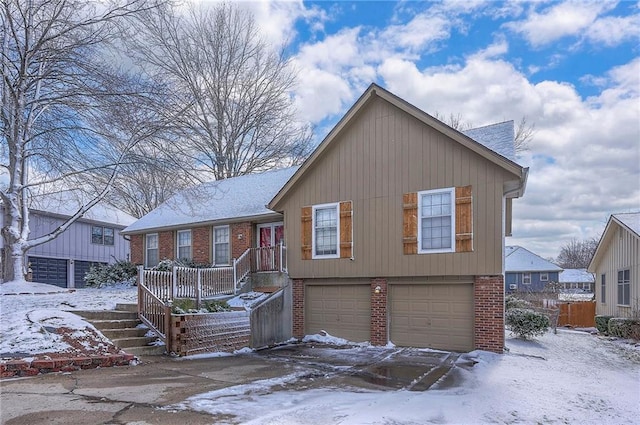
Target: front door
[(270, 235)]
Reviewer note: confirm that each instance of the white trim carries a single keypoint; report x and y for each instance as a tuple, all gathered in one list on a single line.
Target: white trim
[(546, 277), (146, 249), (178, 246), (524, 275), (315, 256), (272, 226), (213, 243), (452, 193)]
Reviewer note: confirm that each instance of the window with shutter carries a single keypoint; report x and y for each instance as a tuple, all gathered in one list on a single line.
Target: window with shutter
[(327, 231)]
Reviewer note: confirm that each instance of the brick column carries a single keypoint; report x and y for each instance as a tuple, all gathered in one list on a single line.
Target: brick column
[(136, 246), (298, 307), (488, 293), (379, 312)]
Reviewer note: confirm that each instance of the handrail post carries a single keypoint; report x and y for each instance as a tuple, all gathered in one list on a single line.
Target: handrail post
[(140, 284), (174, 285), (167, 326), (235, 276), (280, 249), (199, 288)]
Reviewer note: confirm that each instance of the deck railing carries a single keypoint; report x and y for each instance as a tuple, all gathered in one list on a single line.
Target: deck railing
[(157, 289)]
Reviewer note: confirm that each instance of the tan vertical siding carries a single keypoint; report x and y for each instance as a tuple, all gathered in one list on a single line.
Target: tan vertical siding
[(622, 252), (382, 154)]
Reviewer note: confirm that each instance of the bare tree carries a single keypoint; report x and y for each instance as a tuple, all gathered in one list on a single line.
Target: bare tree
[(577, 254), (232, 89), (58, 99), (454, 121)]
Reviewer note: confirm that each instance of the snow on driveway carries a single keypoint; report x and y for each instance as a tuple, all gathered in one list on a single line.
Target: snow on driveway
[(571, 377)]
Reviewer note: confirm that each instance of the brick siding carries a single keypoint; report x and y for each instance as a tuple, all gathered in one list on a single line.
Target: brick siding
[(137, 247), (298, 308), (241, 238), (201, 244), (166, 245), (489, 313), (379, 335)]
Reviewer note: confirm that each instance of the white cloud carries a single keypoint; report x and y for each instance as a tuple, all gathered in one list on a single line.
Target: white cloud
[(613, 30), (570, 18)]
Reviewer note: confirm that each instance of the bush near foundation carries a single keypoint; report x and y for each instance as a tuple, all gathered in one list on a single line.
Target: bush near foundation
[(622, 327), (602, 323), (511, 301), (526, 323)]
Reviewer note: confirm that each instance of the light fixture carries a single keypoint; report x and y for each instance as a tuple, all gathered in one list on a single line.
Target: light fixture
[(377, 289)]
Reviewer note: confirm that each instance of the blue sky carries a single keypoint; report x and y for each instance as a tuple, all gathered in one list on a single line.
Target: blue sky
[(572, 68)]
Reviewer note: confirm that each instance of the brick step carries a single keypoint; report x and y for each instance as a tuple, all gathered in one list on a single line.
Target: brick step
[(138, 341), (107, 315)]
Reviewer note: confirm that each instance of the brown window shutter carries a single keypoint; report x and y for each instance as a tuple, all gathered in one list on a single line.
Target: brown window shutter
[(346, 229), (464, 219), (410, 223), (306, 228)]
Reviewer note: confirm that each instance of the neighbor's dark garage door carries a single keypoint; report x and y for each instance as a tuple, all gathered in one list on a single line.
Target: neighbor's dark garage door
[(49, 270), (80, 269)]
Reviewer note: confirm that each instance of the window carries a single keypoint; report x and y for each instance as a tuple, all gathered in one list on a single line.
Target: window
[(544, 277), (325, 231), (526, 278), (184, 245), (221, 253), (603, 288), (152, 250), (624, 288), (102, 235), (436, 227)]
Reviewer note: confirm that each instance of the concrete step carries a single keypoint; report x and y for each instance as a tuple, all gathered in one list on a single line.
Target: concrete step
[(115, 324), (107, 315), (148, 350), (135, 341), (133, 308), (124, 332)]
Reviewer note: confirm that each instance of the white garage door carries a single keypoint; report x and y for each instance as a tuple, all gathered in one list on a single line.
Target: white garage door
[(436, 316), (341, 310)]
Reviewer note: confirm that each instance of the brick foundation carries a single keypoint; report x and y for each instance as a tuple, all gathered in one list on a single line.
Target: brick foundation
[(298, 308), (379, 335), (489, 313), (137, 253)]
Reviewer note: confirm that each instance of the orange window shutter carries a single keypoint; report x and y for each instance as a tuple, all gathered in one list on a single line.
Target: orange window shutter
[(464, 219), (346, 229), (410, 223), (306, 230)]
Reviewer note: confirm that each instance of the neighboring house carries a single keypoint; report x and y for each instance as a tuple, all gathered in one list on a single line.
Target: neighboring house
[(616, 265), (212, 223), (580, 279), (526, 271), (395, 229), (95, 238)]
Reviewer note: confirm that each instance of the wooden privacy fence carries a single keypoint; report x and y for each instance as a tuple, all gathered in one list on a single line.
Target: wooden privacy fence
[(577, 314)]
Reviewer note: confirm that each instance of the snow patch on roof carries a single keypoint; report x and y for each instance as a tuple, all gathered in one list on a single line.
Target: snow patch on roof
[(576, 276), (244, 196), (631, 220), (518, 259), (498, 137)]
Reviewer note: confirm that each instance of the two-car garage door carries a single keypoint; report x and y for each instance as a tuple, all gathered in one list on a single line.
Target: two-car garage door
[(434, 315)]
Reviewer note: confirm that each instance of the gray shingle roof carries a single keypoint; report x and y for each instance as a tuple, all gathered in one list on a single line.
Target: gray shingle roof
[(244, 196), (497, 137), (631, 220), (576, 276), (518, 259)]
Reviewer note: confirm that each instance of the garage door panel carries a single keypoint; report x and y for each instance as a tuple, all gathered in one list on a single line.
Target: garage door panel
[(432, 315), (52, 271), (341, 310)]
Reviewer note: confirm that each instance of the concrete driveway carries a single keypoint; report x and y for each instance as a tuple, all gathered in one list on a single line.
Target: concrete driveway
[(149, 392)]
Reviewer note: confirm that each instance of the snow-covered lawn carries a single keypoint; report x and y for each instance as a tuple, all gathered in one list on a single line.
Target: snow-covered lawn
[(36, 319), (571, 377)]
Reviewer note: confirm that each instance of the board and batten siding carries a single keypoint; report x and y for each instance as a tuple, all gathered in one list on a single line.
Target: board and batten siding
[(75, 242), (622, 252), (380, 155)]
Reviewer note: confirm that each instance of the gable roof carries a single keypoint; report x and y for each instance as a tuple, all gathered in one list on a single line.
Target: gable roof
[(375, 91), (576, 276), (519, 259), (222, 200), (627, 221)]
